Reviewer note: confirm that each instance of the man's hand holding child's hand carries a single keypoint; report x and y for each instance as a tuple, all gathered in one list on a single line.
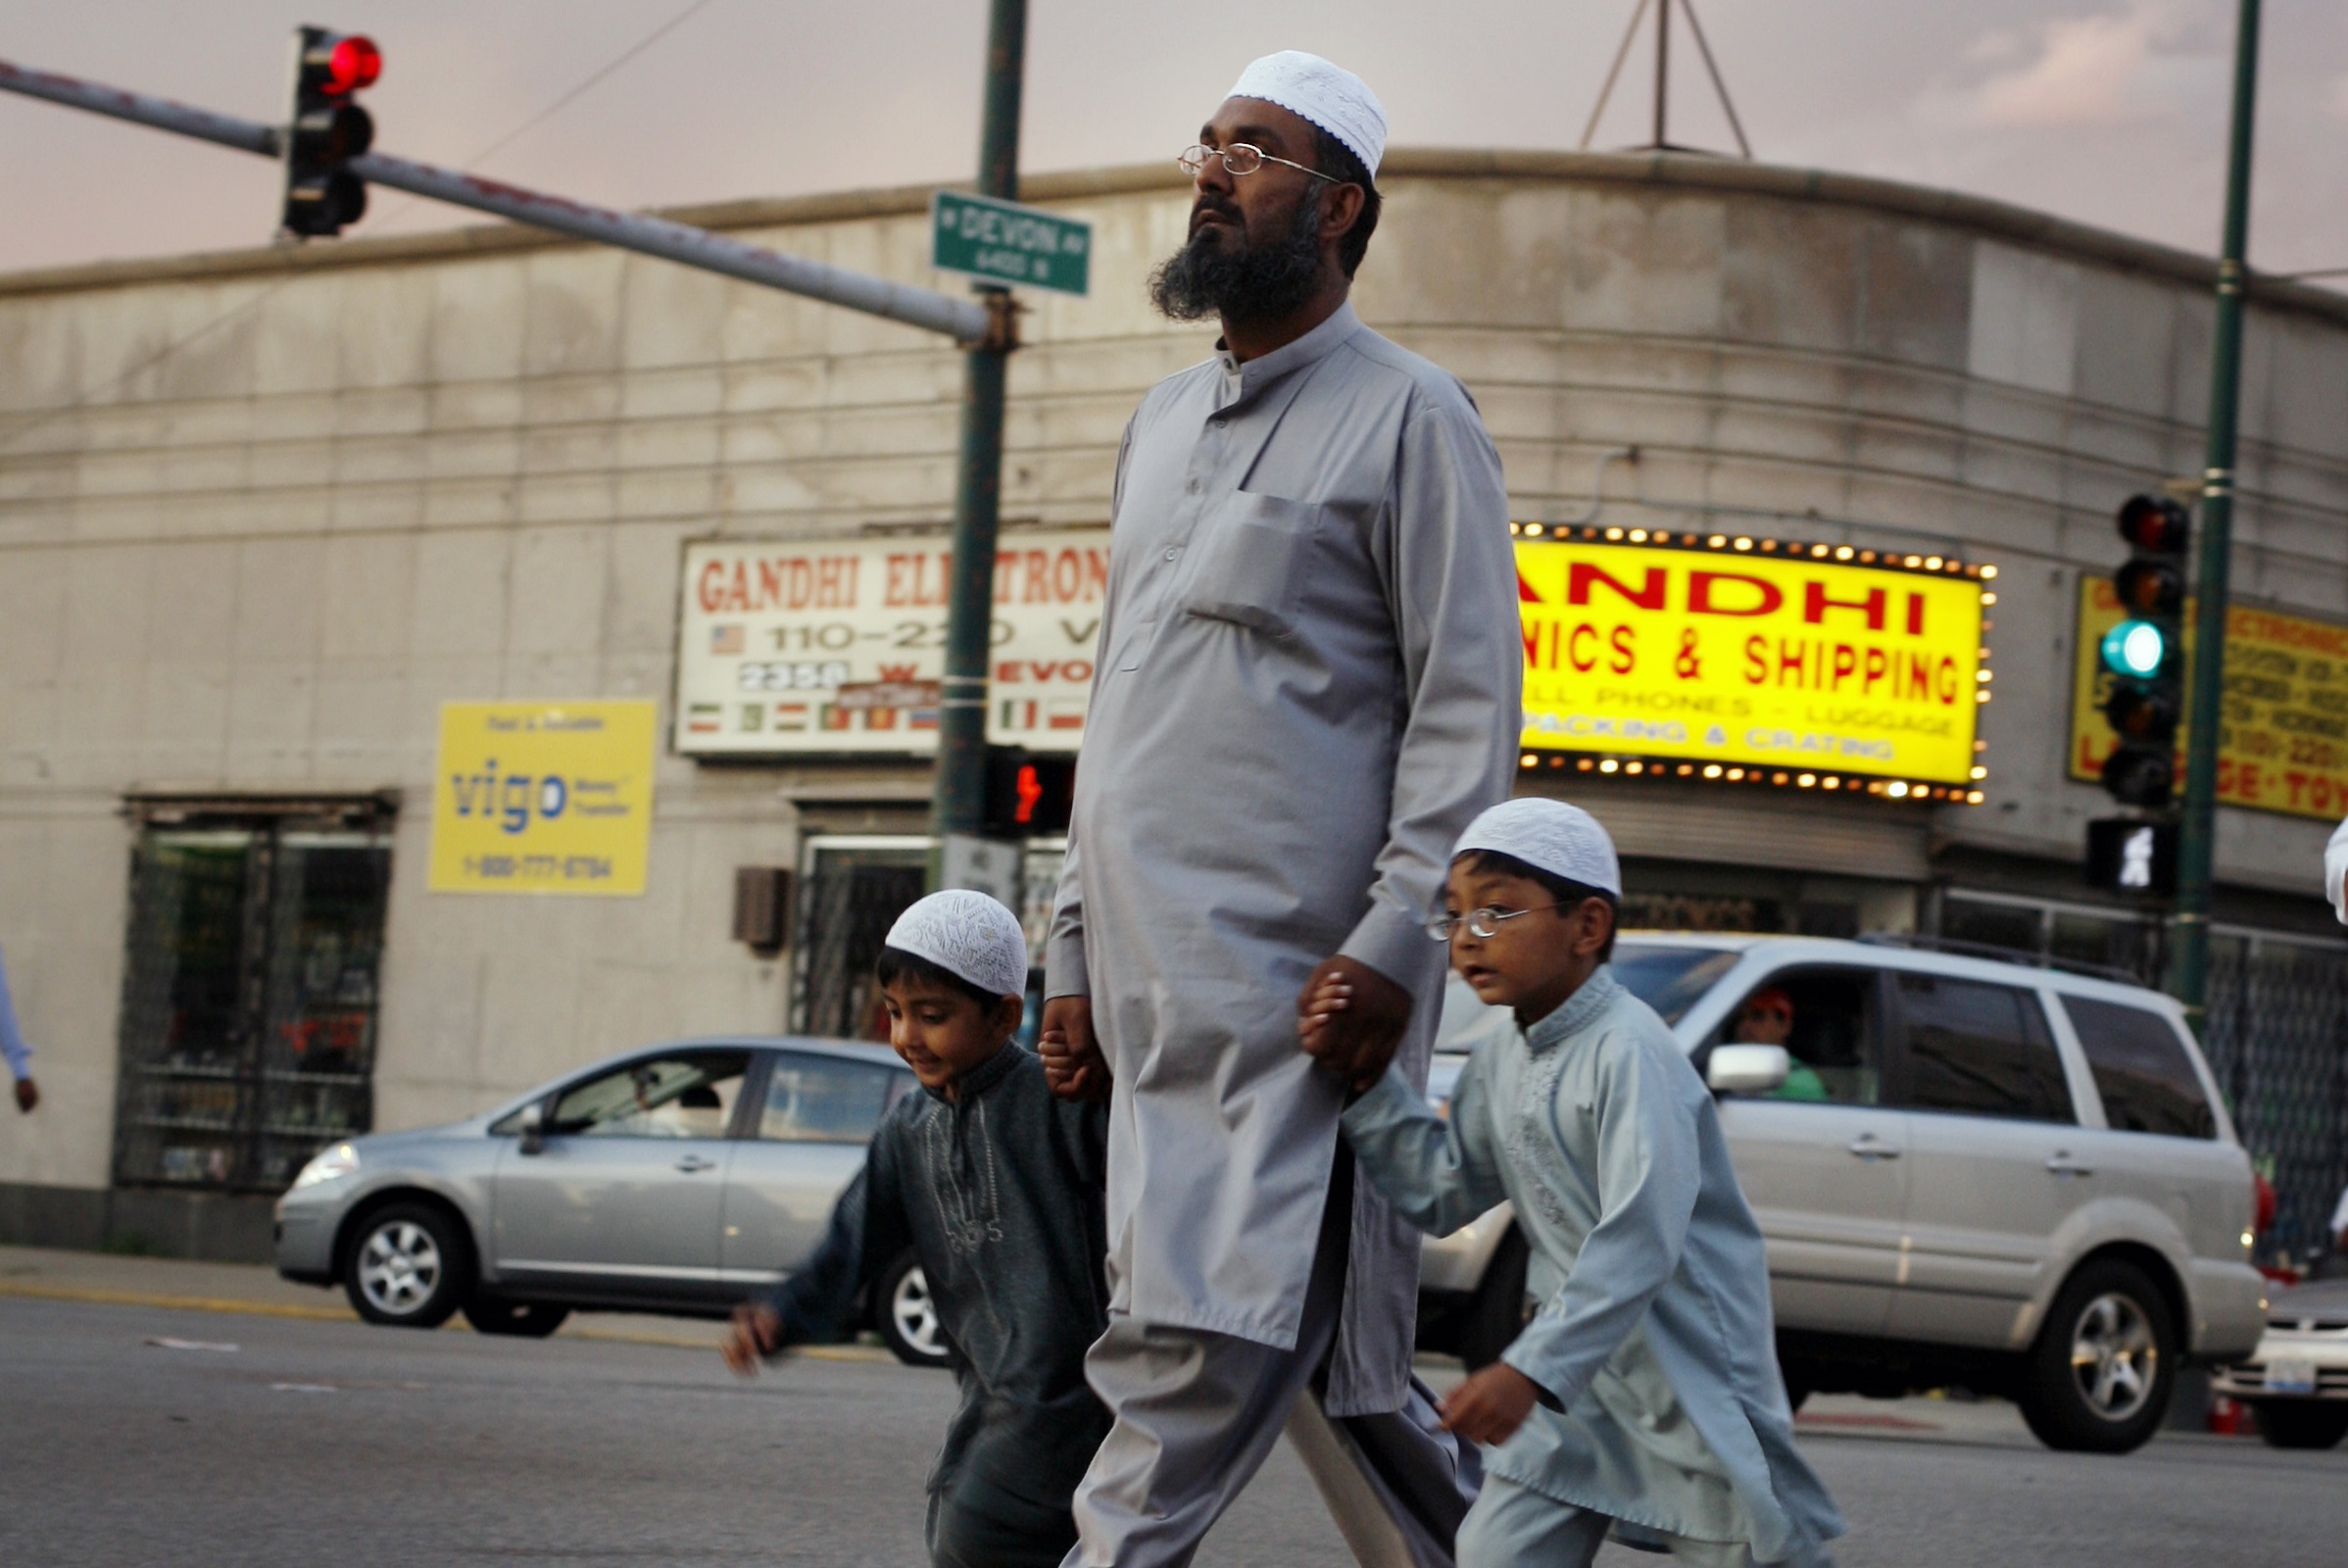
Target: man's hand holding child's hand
[(1073, 1066), (1350, 1018), (755, 1334), (1490, 1404)]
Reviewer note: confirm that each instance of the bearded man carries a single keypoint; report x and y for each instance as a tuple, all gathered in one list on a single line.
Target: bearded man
[(1307, 685)]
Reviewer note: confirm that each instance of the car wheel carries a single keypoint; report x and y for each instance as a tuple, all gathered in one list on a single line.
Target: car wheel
[(2301, 1423), (908, 1317), (1499, 1311), (2100, 1374), (409, 1267), (528, 1320)]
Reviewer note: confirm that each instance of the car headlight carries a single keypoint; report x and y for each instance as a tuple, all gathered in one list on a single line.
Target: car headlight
[(340, 1160)]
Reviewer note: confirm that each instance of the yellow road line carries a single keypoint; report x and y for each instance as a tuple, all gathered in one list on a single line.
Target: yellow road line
[(343, 1314), (179, 1304)]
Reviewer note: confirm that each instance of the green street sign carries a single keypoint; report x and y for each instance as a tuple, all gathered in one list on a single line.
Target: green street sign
[(1005, 242)]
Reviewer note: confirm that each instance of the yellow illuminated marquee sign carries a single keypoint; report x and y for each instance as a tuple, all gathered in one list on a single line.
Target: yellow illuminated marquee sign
[(1745, 660), (543, 797)]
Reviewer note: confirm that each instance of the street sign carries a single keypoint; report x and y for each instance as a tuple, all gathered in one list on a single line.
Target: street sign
[(1005, 242)]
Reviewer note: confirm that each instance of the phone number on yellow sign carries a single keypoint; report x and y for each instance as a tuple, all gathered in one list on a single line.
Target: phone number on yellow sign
[(1719, 657)]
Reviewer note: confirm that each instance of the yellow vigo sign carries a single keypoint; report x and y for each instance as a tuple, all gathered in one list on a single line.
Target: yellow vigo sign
[(543, 797), (1729, 656)]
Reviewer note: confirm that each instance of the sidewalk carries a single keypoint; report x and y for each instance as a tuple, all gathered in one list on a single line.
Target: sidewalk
[(45, 1274)]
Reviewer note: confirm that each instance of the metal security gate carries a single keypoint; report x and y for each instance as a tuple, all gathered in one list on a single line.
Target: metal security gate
[(248, 998), (2278, 1040)]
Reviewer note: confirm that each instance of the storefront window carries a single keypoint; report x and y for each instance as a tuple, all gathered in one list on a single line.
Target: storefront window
[(248, 1028)]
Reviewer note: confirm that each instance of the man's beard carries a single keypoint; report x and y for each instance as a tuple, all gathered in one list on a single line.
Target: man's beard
[(1256, 282)]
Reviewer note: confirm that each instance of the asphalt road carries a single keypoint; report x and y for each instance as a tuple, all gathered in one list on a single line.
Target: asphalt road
[(328, 1444)]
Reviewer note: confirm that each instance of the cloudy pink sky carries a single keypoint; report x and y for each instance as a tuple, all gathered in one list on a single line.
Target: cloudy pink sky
[(2107, 110)]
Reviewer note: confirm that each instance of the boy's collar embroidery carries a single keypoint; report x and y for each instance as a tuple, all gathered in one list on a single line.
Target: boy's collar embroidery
[(1578, 1011), (985, 1075)]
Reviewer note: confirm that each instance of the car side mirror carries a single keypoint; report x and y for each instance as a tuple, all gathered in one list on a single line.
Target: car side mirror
[(533, 1128), (1748, 1069)]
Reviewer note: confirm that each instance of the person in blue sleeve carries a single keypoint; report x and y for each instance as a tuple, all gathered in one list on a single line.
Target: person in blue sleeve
[(1644, 1397), (996, 1186), (13, 1047)]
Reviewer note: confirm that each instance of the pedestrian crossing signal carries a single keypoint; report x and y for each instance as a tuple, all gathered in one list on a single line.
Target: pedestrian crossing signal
[(1028, 794)]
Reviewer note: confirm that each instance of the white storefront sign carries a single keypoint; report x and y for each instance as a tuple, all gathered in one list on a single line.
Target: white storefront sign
[(837, 645)]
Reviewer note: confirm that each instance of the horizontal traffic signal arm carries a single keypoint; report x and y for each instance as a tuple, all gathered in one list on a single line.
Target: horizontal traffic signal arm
[(964, 321)]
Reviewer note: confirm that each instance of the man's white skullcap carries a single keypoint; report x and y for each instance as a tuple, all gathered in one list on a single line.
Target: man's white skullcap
[(967, 934), (1550, 836), (1330, 96)]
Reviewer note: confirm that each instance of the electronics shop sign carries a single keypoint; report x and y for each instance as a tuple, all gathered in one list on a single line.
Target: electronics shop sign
[(839, 646), (1737, 651), (543, 797)]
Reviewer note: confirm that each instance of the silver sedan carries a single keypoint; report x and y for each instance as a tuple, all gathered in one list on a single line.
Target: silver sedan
[(672, 1179)]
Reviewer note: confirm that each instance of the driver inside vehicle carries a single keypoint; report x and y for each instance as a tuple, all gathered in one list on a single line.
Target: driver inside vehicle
[(1767, 1019)]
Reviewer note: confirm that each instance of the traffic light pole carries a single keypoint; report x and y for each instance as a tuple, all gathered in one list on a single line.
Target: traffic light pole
[(965, 321), (959, 791), (2196, 851)]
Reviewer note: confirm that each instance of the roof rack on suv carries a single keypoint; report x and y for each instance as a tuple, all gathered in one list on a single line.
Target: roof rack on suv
[(1992, 951)]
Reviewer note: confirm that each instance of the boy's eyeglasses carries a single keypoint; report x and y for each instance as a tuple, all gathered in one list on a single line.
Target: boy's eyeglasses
[(1484, 922)]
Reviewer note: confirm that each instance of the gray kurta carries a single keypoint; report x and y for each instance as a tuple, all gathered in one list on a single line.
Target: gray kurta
[(1656, 1344), (1307, 685)]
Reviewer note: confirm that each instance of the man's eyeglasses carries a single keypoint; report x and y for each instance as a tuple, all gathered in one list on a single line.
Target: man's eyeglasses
[(1240, 159), (1484, 922)]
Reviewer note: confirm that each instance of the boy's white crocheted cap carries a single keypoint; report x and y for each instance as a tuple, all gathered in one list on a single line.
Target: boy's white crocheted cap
[(967, 934), (1330, 96), (1551, 836)]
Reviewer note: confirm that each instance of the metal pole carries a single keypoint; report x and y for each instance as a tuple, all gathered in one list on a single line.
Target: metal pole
[(964, 321), (959, 791), (1662, 69), (2196, 851)]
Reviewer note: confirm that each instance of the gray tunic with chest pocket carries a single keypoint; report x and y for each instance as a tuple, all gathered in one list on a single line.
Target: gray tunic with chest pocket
[(1308, 686)]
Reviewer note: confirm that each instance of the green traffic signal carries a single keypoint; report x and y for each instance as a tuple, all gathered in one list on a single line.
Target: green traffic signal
[(2137, 650)]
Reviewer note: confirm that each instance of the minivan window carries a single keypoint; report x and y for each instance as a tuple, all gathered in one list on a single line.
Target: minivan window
[(1980, 1050), (821, 1099), (1670, 979), (2142, 1075)]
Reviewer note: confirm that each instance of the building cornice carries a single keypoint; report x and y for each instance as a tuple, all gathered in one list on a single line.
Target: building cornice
[(1683, 171)]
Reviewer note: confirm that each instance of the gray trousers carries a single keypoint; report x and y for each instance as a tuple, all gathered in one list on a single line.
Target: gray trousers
[(1195, 1413), (1515, 1527)]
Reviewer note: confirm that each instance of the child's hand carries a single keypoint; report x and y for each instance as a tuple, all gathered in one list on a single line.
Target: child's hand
[(1323, 1000), (1073, 1065), (1349, 1018), (1490, 1404), (755, 1333)]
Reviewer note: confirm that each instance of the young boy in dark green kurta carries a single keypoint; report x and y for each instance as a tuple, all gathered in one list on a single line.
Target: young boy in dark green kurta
[(996, 1186)]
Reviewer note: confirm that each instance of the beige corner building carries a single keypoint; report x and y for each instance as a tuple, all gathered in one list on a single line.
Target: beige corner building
[(263, 514)]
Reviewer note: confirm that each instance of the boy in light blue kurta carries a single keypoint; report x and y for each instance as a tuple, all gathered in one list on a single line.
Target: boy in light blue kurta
[(1646, 1395)]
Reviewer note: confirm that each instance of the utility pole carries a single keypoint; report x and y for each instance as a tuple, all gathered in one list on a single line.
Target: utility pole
[(959, 791), (2196, 851), (1662, 71)]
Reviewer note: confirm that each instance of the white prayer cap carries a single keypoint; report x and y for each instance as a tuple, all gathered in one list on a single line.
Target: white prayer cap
[(1550, 836), (1330, 96), (965, 933)]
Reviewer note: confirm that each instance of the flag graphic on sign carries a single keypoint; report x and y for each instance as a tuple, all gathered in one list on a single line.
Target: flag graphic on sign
[(727, 639), (701, 718), (790, 716), (1065, 712), (1019, 713)]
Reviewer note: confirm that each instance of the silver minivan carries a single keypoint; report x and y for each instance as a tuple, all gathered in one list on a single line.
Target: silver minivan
[(1966, 1171)]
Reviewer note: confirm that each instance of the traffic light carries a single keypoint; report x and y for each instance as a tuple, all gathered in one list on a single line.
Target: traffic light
[(1028, 794), (328, 128), (2144, 653)]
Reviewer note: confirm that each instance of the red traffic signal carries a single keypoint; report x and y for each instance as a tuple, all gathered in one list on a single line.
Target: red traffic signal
[(352, 63), (2155, 524)]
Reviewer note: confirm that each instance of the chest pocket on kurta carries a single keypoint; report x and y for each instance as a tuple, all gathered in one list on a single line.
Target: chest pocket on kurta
[(1252, 560)]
